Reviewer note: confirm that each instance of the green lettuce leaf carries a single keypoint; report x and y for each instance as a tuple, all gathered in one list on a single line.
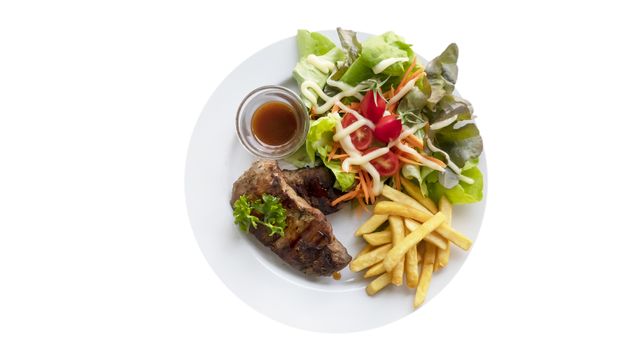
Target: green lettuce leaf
[(373, 50), (442, 73), (462, 193), (350, 44), (387, 45), (319, 143), (312, 43)]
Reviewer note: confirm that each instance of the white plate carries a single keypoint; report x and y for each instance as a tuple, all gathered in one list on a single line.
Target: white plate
[(216, 159)]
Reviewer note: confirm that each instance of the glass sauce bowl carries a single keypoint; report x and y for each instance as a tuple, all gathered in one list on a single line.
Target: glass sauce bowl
[(247, 110)]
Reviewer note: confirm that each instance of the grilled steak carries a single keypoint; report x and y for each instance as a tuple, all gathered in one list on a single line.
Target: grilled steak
[(308, 244), (315, 185)]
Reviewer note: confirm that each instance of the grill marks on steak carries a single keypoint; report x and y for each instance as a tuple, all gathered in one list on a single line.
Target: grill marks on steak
[(315, 185), (308, 244)]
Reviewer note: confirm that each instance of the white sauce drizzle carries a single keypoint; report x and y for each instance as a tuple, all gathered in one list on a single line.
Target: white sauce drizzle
[(322, 64), (406, 89), (308, 85), (418, 157), (384, 64), (463, 123), (451, 164), (443, 123)]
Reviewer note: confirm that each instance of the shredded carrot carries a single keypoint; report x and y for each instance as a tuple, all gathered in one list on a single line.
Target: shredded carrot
[(345, 197), (408, 161), (340, 156), (437, 161), (413, 64), (355, 105), (364, 186), (334, 150), (335, 109), (362, 205), (414, 141), (396, 182), (370, 187)]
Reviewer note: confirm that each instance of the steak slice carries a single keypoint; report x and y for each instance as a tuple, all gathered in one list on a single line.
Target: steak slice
[(308, 244), (315, 185)]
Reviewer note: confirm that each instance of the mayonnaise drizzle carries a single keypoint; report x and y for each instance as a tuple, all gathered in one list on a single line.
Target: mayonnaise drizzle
[(451, 164), (406, 89), (384, 64), (322, 64), (443, 123), (329, 101), (418, 157)]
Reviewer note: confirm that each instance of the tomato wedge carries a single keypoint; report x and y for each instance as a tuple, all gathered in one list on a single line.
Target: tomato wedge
[(388, 128), (387, 164), (372, 107), (362, 137)]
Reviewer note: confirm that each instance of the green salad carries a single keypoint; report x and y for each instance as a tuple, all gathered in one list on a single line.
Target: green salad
[(379, 115)]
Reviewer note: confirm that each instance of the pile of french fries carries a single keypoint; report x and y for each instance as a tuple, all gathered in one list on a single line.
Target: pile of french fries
[(415, 243)]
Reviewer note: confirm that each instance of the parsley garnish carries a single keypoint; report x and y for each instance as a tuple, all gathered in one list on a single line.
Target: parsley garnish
[(269, 209)]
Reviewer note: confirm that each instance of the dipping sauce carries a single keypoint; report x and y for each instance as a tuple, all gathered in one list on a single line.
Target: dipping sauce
[(274, 123)]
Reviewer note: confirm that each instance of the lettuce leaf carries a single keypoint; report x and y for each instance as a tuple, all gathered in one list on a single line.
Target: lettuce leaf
[(462, 193), (375, 49), (387, 45), (314, 44), (319, 144), (442, 73)]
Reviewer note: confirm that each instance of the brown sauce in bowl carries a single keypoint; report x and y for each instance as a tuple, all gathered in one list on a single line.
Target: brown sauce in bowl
[(274, 123)]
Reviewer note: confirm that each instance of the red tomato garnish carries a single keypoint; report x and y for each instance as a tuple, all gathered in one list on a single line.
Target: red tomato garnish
[(388, 128), (362, 137), (387, 164), (373, 108)]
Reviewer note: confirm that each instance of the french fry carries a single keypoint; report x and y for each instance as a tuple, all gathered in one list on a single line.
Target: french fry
[(371, 224), (426, 274), (366, 249), (433, 237), (396, 224), (378, 238), (392, 208), (375, 270), (442, 255), (399, 250), (415, 192), (411, 266), (403, 198), (368, 259), (380, 282)]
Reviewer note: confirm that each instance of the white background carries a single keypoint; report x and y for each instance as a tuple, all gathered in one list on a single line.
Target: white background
[(97, 105)]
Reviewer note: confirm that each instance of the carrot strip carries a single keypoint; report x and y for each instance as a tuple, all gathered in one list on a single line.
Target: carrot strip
[(408, 161), (355, 105), (437, 161), (413, 64), (335, 109), (364, 186), (370, 187), (340, 156), (396, 182), (358, 198), (345, 197), (414, 141)]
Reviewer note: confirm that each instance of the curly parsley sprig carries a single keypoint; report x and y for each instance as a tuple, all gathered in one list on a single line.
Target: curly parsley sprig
[(269, 209)]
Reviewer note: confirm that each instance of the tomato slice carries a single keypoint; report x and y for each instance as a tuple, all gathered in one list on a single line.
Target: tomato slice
[(387, 164), (388, 128), (362, 137), (372, 107)]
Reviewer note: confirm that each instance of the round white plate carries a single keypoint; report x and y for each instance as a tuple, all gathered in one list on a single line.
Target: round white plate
[(216, 159)]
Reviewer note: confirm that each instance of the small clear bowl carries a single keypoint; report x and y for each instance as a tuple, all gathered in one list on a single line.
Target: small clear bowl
[(256, 99)]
